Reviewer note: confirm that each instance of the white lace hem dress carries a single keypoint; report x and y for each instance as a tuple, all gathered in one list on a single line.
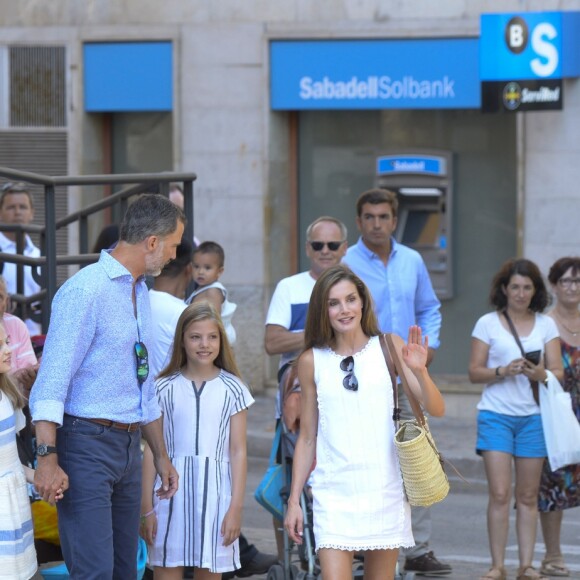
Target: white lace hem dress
[(359, 502)]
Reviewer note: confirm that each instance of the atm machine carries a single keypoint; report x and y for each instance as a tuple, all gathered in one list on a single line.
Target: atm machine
[(423, 181)]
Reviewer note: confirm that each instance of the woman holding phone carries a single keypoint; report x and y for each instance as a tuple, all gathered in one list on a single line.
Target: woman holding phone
[(511, 349)]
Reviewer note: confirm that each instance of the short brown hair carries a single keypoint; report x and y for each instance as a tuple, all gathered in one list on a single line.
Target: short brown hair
[(13, 189), (376, 196), (561, 266), (521, 267)]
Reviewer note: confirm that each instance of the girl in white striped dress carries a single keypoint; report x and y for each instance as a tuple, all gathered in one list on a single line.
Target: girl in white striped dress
[(204, 405), (17, 554)]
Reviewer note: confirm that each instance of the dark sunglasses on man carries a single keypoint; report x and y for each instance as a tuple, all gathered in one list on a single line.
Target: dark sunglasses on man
[(332, 246)]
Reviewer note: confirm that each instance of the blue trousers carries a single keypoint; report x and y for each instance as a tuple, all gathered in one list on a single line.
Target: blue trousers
[(98, 518)]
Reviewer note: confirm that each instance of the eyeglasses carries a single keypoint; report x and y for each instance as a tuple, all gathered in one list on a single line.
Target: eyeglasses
[(349, 382), (142, 357), (568, 282), (332, 246), (15, 187)]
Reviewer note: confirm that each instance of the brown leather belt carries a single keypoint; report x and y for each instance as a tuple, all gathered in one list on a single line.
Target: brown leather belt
[(130, 427)]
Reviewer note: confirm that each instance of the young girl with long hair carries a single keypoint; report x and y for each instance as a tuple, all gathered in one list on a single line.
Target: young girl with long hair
[(204, 405), (18, 557), (346, 424)]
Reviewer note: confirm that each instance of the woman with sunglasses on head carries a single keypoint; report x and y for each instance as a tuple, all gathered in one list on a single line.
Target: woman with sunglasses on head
[(347, 427), (560, 490), (511, 348)]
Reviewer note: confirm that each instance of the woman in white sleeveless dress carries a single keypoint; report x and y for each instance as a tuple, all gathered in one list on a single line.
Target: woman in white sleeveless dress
[(347, 426)]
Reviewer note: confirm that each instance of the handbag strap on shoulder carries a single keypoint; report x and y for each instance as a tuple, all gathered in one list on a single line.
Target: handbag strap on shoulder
[(533, 384), (392, 372), (514, 331), (387, 345)]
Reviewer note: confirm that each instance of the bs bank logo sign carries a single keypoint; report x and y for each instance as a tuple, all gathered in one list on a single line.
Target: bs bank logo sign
[(521, 47), (524, 57)]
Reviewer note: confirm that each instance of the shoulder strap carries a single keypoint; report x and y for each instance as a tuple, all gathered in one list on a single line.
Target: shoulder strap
[(514, 331), (533, 384), (392, 372), (415, 405)]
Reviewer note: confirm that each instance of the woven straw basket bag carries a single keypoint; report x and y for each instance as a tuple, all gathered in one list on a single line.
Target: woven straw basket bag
[(421, 465)]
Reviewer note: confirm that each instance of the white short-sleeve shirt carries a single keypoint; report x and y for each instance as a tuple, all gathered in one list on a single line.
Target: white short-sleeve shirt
[(511, 395)]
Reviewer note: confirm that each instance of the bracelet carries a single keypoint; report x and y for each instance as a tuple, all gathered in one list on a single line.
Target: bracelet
[(150, 513), (497, 372)]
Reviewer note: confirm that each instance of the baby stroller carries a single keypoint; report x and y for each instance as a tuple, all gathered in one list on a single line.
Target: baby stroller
[(301, 564)]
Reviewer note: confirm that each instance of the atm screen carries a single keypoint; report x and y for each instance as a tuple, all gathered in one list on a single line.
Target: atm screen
[(421, 227)]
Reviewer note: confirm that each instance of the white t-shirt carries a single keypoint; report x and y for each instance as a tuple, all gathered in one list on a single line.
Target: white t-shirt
[(511, 395), (165, 312), (289, 305), (9, 274)]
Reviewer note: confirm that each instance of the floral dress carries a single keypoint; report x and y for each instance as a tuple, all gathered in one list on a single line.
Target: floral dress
[(560, 490)]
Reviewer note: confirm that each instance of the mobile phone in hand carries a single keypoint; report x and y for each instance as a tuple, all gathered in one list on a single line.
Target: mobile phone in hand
[(534, 356)]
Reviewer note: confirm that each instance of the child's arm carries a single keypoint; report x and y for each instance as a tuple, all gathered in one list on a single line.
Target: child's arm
[(148, 529), (232, 523), (212, 295), (28, 473)]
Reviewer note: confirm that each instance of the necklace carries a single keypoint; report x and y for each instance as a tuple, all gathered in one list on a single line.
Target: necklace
[(564, 326)]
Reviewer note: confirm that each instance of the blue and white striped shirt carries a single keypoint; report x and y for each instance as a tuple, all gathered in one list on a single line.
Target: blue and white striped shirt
[(88, 365)]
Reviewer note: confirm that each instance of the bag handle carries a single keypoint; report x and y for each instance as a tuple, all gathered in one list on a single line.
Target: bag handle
[(386, 345), (533, 384), (275, 445)]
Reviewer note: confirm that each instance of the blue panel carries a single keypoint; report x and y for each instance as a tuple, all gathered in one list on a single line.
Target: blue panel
[(525, 46), (571, 44), (128, 76), (374, 74), (415, 164)]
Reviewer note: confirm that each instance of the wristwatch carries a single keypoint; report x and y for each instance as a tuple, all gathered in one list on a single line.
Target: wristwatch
[(42, 450)]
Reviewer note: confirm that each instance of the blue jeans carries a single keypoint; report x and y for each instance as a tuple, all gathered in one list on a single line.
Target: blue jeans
[(98, 518)]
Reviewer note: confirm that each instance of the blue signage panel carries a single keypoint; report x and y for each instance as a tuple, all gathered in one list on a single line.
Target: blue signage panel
[(529, 46), (522, 46), (571, 44), (128, 76), (374, 74), (415, 164)]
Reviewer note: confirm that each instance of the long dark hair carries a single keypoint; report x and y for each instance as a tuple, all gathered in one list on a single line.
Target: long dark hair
[(521, 267), (318, 332), (196, 312)]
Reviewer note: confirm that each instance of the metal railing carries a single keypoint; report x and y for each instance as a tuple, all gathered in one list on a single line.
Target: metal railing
[(44, 268)]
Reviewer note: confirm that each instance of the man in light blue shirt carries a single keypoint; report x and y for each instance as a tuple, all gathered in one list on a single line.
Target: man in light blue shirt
[(94, 386), (403, 295)]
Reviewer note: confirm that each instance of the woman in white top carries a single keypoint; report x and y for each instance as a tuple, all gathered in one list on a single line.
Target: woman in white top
[(509, 427), (346, 424)]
